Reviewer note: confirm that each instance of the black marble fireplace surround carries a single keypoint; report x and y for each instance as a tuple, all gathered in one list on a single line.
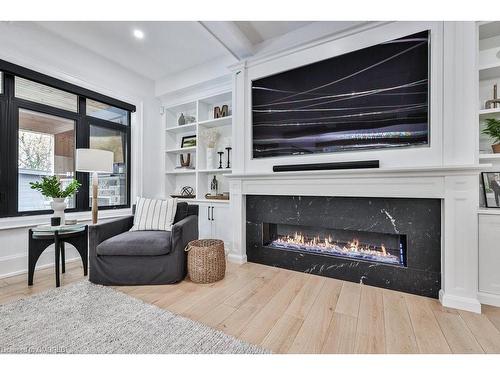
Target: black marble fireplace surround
[(412, 227)]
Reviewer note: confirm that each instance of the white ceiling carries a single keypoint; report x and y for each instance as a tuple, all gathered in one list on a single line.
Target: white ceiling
[(260, 31), (169, 47)]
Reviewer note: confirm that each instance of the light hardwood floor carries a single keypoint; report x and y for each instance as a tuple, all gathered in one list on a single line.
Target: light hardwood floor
[(292, 312)]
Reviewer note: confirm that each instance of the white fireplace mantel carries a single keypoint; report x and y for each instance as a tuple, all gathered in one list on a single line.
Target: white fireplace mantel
[(447, 169), (439, 170), (456, 186), (418, 182)]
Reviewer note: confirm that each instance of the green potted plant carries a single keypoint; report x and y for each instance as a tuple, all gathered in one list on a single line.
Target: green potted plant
[(492, 129), (50, 187)]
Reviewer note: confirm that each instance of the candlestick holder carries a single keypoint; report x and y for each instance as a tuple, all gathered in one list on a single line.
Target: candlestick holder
[(220, 158), (228, 161)]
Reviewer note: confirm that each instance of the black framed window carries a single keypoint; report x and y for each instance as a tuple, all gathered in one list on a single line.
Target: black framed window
[(42, 121), (113, 189), (46, 145), (107, 112)]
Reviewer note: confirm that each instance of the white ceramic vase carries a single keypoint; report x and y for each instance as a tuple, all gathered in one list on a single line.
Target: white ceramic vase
[(210, 158), (59, 205)]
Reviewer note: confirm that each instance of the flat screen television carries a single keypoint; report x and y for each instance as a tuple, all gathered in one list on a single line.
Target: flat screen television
[(373, 98)]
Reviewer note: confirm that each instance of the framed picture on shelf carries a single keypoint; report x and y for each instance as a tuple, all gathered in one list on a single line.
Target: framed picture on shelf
[(491, 189), (188, 141)]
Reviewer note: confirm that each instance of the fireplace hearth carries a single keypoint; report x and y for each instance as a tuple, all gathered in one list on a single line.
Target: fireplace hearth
[(393, 243)]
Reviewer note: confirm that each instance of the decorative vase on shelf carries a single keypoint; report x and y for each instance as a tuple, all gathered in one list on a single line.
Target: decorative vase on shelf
[(211, 158), (182, 120), (496, 148), (59, 205)]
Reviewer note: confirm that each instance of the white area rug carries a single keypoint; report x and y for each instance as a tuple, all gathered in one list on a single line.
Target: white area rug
[(89, 318)]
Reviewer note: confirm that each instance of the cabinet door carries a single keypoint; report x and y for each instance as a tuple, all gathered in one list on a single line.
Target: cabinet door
[(489, 253), (205, 222), (222, 228)]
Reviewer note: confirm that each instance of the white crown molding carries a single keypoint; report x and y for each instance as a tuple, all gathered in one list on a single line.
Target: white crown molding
[(212, 71), (230, 37), (196, 92), (305, 42)]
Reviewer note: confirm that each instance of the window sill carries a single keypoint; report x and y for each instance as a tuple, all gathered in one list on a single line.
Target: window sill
[(31, 221)]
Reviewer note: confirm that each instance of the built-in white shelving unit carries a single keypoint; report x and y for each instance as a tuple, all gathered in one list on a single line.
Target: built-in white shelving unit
[(181, 150), (488, 218), (489, 75), (182, 129), (199, 116), (483, 113), (216, 170), (489, 157), (223, 121), (181, 171)]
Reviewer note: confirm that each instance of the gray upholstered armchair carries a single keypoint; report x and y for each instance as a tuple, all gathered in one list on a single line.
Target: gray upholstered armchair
[(120, 257)]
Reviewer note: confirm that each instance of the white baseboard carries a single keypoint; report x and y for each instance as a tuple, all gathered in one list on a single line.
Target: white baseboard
[(17, 264), (459, 302), (235, 258), (489, 299)]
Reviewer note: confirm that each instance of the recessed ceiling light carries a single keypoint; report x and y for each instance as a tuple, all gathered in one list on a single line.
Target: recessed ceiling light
[(139, 34)]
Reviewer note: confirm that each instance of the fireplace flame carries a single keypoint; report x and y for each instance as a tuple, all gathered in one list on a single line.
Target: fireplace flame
[(327, 244)]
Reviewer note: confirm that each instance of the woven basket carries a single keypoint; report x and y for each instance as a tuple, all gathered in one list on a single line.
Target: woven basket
[(206, 261)]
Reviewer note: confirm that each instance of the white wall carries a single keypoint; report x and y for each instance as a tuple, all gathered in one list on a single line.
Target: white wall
[(28, 45)]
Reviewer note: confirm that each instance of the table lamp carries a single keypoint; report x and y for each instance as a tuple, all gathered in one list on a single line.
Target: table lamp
[(94, 161)]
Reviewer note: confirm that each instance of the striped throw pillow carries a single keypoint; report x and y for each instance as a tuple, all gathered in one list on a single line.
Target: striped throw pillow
[(154, 214)]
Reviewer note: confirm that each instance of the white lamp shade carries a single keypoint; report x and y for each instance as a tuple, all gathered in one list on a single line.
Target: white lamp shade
[(93, 160)]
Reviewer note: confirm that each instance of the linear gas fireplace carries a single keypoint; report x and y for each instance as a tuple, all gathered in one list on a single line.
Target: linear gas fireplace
[(377, 247), (393, 243)]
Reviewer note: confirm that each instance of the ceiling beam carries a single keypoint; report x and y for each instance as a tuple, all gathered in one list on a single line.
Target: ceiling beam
[(230, 37)]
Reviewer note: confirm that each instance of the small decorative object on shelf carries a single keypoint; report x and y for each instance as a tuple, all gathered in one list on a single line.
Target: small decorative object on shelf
[(209, 137), (185, 163), (495, 102), (214, 186), (221, 197), (186, 192), (220, 159), (228, 149), (492, 130), (210, 157), (188, 141), (190, 119), (50, 187), (182, 120), (491, 189), (222, 111)]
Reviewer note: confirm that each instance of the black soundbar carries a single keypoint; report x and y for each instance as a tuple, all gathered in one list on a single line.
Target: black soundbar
[(327, 166)]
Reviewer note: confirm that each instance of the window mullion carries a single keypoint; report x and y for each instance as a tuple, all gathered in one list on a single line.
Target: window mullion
[(9, 155), (82, 141)]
